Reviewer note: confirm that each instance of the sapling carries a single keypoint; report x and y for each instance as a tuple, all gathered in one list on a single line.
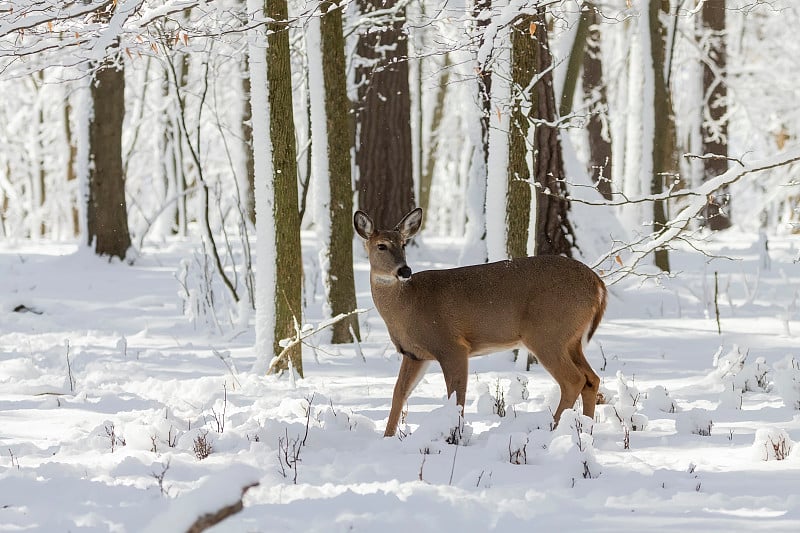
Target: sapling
[(499, 401), (159, 477), (116, 440), (70, 377), (14, 459)]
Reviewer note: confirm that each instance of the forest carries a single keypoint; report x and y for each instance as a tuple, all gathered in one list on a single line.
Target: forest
[(189, 339)]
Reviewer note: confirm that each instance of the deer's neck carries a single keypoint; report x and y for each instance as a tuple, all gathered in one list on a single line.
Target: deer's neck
[(391, 296)]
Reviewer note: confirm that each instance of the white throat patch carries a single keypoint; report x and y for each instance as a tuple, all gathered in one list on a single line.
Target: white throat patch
[(384, 280)]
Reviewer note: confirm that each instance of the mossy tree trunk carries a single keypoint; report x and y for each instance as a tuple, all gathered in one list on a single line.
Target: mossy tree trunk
[(340, 282), (523, 68), (289, 264)]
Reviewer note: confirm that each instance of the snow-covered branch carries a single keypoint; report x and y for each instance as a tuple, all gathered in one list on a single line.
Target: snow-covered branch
[(302, 334), (699, 197)]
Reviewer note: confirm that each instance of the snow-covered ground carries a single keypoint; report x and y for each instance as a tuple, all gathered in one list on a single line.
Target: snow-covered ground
[(108, 394)]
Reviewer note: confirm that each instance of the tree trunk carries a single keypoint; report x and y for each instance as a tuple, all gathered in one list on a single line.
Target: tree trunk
[(665, 162), (715, 109), (585, 53), (71, 175), (247, 139), (594, 90), (340, 282), (426, 176), (475, 247), (107, 213), (289, 268), (554, 233), (383, 151), (523, 68)]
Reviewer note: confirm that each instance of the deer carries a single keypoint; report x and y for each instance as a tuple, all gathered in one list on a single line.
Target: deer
[(551, 305)]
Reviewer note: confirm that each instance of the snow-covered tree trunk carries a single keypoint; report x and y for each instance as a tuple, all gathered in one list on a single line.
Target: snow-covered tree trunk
[(594, 91), (638, 119), (715, 108), (523, 69), (330, 112), (474, 250), (497, 164), (279, 272), (247, 185)]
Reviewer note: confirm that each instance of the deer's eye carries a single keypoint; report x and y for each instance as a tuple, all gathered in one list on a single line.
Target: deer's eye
[(381, 247)]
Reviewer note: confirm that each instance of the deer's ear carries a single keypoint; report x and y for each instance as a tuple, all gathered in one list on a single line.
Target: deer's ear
[(409, 226), (363, 225)]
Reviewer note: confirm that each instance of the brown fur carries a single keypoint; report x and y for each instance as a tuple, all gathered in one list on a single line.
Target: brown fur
[(546, 303)]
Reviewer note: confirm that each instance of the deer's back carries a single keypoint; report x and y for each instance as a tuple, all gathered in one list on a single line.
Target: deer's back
[(492, 306)]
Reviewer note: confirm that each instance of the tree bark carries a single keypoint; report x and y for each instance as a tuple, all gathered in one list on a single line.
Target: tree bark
[(247, 139), (289, 267), (340, 282), (665, 162), (71, 175), (107, 213), (426, 176), (594, 90), (383, 151), (523, 68), (715, 109), (554, 233)]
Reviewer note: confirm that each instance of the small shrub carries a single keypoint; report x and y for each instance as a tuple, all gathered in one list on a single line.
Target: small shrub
[(772, 444), (202, 446)]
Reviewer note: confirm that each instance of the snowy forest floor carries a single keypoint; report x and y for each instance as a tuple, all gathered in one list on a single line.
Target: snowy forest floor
[(108, 395)]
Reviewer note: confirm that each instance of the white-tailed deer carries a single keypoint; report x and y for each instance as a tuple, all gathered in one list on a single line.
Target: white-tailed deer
[(551, 305)]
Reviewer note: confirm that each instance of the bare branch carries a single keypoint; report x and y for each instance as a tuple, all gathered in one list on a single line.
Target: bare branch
[(211, 519), (301, 335)]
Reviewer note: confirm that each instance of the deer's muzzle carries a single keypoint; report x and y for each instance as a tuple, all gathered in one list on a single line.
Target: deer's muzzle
[(404, 273)]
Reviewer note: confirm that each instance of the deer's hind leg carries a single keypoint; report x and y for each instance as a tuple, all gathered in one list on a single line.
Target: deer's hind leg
[(454, 360), (592, 384), (559, 363)]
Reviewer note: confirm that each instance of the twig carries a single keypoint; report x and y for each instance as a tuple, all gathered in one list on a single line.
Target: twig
[(453, 467), (716, 302), (70, 377), (300, 336)]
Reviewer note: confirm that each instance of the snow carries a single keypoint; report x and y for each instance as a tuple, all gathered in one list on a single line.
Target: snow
[(118, 450)]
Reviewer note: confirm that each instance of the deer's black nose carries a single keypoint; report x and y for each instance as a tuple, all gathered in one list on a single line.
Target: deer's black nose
[(404, 273)]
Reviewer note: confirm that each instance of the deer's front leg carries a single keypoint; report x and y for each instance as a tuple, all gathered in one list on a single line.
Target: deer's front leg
[(411, 371)]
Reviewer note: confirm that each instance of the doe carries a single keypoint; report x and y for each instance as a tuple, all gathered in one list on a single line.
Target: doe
[(551, 305)]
